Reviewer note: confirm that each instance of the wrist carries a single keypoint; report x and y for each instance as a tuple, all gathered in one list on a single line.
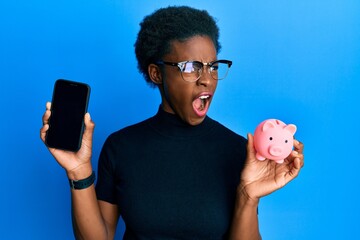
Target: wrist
[(245, 199), (83, 183), (80, 172)]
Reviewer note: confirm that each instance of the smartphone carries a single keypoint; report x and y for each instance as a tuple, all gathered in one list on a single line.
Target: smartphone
[(68, 107)]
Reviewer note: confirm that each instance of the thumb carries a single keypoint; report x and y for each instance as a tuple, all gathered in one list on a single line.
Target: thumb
[(89, 129), (250, 146)]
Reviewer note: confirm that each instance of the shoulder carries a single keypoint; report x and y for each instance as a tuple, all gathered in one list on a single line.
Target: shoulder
[(131, 131), (225, 132), (124, 140), (228, 139)]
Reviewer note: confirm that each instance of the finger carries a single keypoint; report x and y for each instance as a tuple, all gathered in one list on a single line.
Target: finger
[(45, 121), (46, 116), (298, 146), (43, 131), (89, 129), (295, 154), (89, 124), (301, 157), (48, 105), (294, 170)]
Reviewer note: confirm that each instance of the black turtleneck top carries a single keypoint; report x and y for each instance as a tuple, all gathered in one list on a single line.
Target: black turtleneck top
[(171, 180)]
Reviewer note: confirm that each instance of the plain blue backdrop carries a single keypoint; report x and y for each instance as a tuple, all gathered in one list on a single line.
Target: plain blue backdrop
[(298, 61)]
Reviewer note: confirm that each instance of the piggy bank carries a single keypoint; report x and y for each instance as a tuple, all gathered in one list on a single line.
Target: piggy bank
[(273, 140)]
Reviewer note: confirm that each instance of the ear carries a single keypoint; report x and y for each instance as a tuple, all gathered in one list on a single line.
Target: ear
[(267, 125), (154, 72), (291, 128)]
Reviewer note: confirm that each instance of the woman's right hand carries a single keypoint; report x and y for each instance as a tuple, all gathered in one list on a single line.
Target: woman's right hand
[(77, 164)]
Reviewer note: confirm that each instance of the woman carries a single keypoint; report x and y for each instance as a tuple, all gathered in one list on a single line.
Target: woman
[(178, 174)]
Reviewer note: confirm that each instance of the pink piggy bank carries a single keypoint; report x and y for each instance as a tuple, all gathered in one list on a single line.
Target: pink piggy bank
[(273, 140)]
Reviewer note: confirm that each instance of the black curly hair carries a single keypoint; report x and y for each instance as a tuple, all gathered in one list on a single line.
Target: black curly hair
[(165, 25)]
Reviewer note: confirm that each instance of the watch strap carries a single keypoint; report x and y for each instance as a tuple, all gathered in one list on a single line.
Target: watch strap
[(83, 183)]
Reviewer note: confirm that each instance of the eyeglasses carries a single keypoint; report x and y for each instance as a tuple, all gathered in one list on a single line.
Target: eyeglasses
[(191, 70)]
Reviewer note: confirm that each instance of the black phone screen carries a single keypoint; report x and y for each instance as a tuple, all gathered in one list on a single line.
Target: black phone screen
[(68, 107)]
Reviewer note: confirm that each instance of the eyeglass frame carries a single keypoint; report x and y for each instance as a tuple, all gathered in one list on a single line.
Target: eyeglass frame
[(181, 66)]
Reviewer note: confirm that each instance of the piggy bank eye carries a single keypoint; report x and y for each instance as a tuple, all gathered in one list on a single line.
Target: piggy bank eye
[(286, 141), (271, 138)]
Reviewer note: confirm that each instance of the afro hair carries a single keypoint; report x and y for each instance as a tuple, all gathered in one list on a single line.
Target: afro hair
[(165, 25)]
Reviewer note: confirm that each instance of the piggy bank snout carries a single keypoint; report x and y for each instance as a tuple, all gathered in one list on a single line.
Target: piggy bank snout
[(276, 151)]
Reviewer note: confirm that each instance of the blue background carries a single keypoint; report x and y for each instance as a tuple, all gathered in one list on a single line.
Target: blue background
[(298, 61)]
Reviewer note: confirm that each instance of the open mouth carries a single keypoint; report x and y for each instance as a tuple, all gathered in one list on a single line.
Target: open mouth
[(201, 104)]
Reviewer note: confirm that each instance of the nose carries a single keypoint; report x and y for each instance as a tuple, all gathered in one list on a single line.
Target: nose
[(205, 78), (275, 150)]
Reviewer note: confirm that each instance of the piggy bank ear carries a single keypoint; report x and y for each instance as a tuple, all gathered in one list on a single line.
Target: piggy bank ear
[(291, 128), (268, 125)]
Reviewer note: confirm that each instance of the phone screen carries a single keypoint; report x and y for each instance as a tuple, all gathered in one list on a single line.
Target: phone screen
[(68, 107)]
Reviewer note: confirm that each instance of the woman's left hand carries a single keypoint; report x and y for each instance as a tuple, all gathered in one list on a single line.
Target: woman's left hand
[(260, 178)]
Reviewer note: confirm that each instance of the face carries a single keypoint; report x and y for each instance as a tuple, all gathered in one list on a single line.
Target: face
[(189, 100)]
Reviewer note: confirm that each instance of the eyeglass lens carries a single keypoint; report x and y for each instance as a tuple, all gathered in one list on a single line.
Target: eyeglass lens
[(193, 70)]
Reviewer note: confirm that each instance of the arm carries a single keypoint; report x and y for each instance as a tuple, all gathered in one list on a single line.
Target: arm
[(245, 224), (258, 179), (92, 219)]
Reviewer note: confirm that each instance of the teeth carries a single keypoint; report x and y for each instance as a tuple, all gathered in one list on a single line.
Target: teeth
[(204, 97)]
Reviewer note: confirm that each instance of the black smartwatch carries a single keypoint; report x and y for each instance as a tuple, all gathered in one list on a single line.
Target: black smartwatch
[(83, 183)]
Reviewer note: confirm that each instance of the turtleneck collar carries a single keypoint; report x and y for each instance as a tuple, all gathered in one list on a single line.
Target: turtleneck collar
[(173, 126)]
